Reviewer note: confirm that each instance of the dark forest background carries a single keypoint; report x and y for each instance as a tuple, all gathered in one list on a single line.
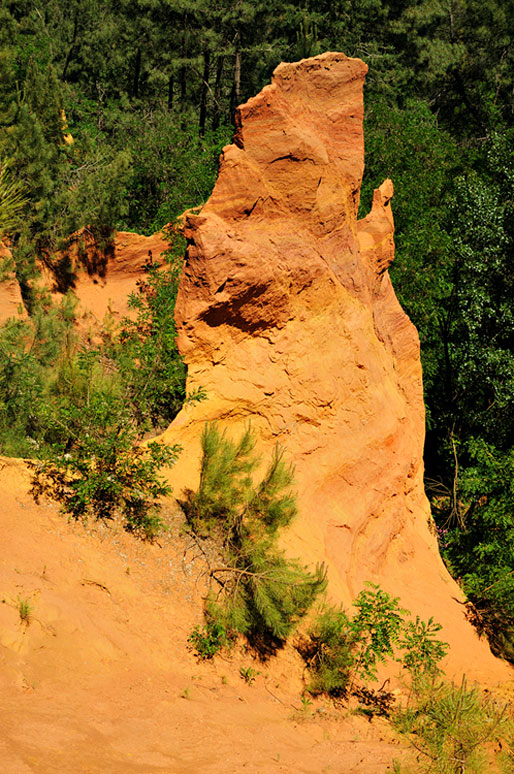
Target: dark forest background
[(147, 89)]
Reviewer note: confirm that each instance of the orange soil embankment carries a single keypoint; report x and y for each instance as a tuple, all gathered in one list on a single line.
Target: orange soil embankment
[(104, 278), (101, 679)]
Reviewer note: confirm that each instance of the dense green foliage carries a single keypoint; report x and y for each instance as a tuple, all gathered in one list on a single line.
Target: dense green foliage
[(11, 200), (257, 591), (82, 410), (148, 91), (481, 552)]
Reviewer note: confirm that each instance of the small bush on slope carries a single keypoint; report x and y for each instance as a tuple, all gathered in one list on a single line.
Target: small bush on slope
[(340, 649), (328, 652), (455, 729), (259, 592), (209, 640), (95, 466)]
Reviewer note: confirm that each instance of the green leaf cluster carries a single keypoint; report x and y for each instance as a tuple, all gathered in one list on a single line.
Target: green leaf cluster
[(340, 648), (328, 653), (208, 640)]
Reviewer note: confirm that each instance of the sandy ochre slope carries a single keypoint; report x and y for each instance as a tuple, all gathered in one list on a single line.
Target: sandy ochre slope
[(101, 278), (101, 680)]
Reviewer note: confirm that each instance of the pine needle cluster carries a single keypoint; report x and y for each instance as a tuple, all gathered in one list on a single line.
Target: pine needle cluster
[(12, 199), (258, 590), (456, 728)]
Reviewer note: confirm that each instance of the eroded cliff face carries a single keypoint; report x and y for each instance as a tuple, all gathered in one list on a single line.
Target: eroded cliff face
[(11, 303), (100, 277), (288, 319)]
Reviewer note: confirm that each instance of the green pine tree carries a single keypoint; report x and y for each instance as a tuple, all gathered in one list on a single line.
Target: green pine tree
[(259, 591)]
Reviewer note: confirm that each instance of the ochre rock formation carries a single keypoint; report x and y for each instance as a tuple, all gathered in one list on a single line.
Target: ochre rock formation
[(11, 303), (103, 276), (288, 319)]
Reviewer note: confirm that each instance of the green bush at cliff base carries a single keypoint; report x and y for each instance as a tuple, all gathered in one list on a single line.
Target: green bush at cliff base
[(341, 650), (255, 589), (328, 652)]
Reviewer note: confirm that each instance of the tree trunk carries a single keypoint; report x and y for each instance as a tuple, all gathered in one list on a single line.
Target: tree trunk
[(217, 92), (183, 84), (183, 69), (205, 89), (171, 83), (236, 84), (137, 73), (71, 48)]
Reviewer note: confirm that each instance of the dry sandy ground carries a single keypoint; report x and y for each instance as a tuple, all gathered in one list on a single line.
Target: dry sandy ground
[(101, 680)]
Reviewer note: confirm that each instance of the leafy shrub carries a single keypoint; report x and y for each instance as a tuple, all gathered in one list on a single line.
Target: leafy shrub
[(340, 649), (328, 653), (453, 728), (208, 640), (422, 652), (377, 627), (145, 350), (109, 473), (263, 592), (95, 466), (248, 674), (225, 482), (259, 591), (31, 355)]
